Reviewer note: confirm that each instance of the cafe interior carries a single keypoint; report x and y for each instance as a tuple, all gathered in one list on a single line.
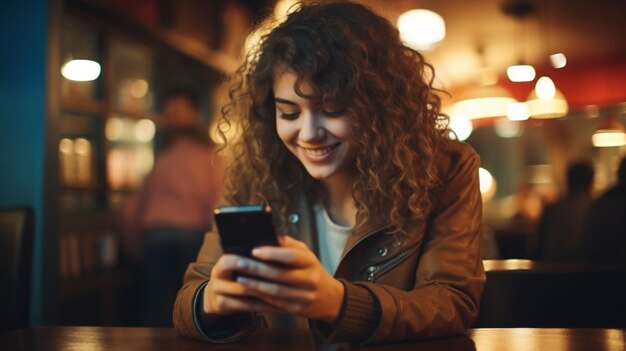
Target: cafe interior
[(533, 86)]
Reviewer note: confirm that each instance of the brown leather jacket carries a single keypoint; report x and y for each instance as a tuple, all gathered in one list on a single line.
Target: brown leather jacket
[(398, 287)]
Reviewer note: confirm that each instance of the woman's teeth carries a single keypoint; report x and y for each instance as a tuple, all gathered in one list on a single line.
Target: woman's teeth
[(320, 151)]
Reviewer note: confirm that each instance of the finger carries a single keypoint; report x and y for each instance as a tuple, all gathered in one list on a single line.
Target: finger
[(284, 305), (271, 290), (230, 288), (225, 266), (289, 256), (289, 276), (227, 304)]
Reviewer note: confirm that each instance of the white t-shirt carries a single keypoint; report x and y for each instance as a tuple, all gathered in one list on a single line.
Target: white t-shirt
[(331, 239)]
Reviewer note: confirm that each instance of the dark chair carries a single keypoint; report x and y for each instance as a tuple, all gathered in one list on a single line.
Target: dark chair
[(16, 254), (522, 293)]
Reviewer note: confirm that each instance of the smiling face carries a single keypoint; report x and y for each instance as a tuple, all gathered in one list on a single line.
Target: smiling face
[(319, 136)]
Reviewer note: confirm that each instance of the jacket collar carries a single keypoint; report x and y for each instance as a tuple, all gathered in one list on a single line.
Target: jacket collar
[(302, 224), (369, 228)]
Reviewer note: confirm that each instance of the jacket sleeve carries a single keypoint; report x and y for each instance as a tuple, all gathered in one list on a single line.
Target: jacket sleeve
[(448, 281), (188, 316)]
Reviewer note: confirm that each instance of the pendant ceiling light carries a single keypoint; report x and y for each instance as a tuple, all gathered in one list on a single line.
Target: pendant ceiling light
[(558, 60), (610, 133), (545, 101), (461, 126), (81, 70), (518, 111), (421, 29), (484, 102), (486, 99), (520, 10), (520, 73)]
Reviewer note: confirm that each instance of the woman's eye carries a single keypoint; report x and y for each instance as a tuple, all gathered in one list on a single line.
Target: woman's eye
[(334, 113), (289, 116)]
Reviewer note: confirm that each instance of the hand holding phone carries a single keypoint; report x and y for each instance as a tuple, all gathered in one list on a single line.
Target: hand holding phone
[(242, 228), (285, 277)]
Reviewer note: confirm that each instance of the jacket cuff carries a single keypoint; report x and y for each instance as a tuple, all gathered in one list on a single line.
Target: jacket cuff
[(221, 329), (359, 316)]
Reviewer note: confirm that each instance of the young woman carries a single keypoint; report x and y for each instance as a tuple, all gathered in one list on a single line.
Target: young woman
[(381, 211)]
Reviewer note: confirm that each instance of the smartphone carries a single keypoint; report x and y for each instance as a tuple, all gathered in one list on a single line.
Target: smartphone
[(242, 228)]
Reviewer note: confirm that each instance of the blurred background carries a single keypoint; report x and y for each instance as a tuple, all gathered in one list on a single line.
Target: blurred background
[(80, 123)]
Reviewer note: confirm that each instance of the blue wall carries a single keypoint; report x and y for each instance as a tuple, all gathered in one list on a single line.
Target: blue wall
[(23, 36)]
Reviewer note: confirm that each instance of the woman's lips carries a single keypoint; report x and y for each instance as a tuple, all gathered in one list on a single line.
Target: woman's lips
[(319, 153)]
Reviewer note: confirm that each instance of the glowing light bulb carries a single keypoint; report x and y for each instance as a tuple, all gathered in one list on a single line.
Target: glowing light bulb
[(545, 88), (520, 73), (144, 130), (421, 29), (558, 60), (81, 70), (461, 126), (486, 183)]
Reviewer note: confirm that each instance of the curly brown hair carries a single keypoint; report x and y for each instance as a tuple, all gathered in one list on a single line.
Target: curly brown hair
[(347, 54)]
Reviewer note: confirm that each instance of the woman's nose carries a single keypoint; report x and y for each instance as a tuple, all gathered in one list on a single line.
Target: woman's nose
[(312, 127)]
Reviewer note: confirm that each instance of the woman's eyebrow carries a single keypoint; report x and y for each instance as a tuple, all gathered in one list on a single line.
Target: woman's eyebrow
[(283, 101)]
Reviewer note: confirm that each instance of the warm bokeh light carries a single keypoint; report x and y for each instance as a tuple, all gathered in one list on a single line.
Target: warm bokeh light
[(608, 138), (520, 73), (517, 111), (545, 88), (283, 8), (506, 128), (117, 168), (83, 159), (81, 70), (421, 29), (461, 126), (487, 184), (66, 146), (609, 133), (482, 100), (545, 101), (67, 165), (114, 129), (144, 130), (558, 60), (139, 88), (483, 107), (82, 146)]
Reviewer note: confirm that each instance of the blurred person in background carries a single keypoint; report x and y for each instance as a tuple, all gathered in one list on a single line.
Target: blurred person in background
[(560, 235), (605, 240), (164, 223)]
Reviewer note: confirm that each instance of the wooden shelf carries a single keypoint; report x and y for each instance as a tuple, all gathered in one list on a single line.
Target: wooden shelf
[(81, 188), (90, 215), (97, 108), (88, 220), (91, 107), (104, 14)]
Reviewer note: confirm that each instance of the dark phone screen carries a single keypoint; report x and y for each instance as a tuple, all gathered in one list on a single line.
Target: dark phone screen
[(243, 228)]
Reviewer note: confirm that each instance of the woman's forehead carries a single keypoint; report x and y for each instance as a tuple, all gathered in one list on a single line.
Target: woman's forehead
[(287, 80)]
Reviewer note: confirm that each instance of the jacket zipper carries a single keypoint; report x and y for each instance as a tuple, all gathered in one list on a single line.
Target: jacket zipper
[(372, 232), (374, 271)]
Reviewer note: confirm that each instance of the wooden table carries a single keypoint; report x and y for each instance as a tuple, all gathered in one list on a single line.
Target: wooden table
[(154, 339)]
